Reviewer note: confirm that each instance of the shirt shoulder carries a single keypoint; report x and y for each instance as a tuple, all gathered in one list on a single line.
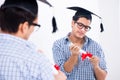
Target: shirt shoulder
[(62, 40), (90, 41)]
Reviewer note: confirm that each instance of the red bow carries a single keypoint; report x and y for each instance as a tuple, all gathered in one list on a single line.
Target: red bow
[(57, 67), (84, 55)]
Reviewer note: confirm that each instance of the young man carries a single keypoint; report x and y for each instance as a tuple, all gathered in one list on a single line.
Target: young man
[(68, 51), (18, 58)]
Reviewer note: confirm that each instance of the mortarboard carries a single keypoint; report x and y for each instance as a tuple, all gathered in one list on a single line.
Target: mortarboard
[(27, 5), (30, 6), (54, 25), (85, 12), (46, 2)]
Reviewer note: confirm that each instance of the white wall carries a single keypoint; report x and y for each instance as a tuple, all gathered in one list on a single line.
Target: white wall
[(109, 10)]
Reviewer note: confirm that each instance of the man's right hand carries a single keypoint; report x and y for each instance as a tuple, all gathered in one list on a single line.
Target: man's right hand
[(60, 76), (75, 49)]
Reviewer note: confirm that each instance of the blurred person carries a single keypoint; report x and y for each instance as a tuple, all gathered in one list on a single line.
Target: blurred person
[(19, 60)]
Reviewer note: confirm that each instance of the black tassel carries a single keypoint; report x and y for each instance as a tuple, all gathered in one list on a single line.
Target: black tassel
[(54, 24), (101, 27)]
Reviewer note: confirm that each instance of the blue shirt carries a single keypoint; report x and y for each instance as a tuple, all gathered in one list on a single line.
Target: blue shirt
[(20, 61), (84, 69)]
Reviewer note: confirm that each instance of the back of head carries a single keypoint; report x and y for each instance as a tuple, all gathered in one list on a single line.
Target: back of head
[(14, 12)]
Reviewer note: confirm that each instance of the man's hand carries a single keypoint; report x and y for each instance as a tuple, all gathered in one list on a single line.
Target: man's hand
[(94, 60), (60, 76), (75, 49)]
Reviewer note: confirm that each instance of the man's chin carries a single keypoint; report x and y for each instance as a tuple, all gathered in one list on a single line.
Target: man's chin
[(81, 36)]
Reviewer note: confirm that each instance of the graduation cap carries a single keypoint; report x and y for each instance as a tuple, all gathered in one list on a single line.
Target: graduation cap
[(86, 13), (27, 5), (46, 2), (54, 25), (30, 6)]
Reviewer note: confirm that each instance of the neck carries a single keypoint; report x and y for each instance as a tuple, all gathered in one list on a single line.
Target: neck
[(79, 41), (14, 34)]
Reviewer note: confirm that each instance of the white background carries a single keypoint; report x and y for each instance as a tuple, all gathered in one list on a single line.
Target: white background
[(109, 10)]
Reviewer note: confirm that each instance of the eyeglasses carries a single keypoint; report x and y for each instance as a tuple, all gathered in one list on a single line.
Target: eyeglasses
[(81, 25), (37, 26)]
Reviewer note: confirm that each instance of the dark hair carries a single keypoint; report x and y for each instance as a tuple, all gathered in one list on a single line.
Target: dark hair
[(10, 18), (76, 17)]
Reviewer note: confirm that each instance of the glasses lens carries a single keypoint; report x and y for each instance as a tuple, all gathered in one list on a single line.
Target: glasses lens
[(36, 26), (80, 25), (88, 28)]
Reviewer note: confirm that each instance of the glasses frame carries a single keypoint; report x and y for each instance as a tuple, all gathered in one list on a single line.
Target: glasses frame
[(36, 26), (81, 25)]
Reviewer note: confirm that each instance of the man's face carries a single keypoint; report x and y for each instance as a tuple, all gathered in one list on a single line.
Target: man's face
[(80, 27)]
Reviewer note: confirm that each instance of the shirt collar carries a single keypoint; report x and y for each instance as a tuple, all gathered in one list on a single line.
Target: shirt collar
[(68, 41), (16, 39)]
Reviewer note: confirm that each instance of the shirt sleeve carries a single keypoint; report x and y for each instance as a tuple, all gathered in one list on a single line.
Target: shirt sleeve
[(101, 55), (45, 69), (59, 56)]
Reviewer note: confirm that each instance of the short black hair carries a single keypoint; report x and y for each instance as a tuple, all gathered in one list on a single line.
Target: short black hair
[(76, 17), (10, 18)]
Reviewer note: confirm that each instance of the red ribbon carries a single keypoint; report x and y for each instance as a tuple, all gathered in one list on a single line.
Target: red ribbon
[(85, 55), (57, 67)]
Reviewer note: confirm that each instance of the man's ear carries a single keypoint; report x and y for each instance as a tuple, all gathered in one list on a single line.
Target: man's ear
[(23, 27), (72, 23)]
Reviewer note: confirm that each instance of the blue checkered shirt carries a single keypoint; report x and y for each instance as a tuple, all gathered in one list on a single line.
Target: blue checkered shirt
[(84, 69), (20, 61)]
